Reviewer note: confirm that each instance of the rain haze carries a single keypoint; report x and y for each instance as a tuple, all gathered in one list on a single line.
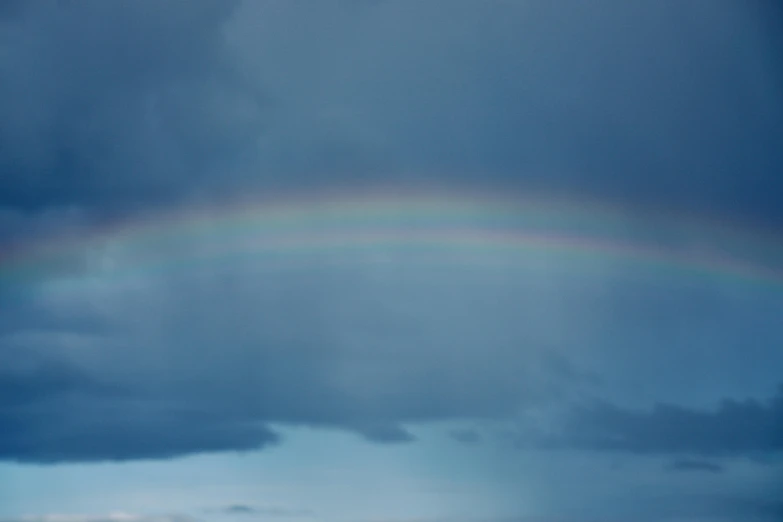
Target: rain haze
[(391, 261)]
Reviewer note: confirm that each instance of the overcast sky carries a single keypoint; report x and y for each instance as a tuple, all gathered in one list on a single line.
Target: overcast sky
[(587, 328)]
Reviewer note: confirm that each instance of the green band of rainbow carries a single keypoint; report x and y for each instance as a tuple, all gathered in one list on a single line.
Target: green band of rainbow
[(440, 225)]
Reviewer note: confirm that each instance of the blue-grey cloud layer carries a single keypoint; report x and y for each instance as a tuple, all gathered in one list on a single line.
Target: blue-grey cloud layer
[(669, 104), (695, 465), (52, 411), (116, 108), (117, 103), (736, 427), (115, 361)]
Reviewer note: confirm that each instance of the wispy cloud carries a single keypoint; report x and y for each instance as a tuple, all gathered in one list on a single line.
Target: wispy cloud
[(109, 517), (266, 511), (466, 436), (695, 465)]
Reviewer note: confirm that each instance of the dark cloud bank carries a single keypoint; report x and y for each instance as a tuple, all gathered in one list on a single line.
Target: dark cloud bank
[(53, 412), (107, 104), (128, 105), (736, 427), (113, 104)]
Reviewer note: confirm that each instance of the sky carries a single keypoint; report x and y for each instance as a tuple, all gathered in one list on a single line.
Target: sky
[(391, 261)]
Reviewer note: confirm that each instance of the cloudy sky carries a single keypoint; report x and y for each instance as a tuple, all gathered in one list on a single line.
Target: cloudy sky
[(391, 261)]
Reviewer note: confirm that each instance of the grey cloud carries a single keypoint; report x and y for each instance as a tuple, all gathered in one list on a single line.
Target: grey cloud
[(98, 430), (735, 427), (245, 509), (109, 103), (466, 436), (352, 346), (210, 357), (93, 116), (52, 410), (11, 8), (20, 385), (387, 434), (660, 103), (687, 465), (766, 509)]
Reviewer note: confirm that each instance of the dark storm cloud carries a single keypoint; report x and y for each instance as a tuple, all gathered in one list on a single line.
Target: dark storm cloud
[(107, 103), (748, 427), (52, 411), (211, 360), (770, 509), (21, 386), (94, 429), (672, 104), (11, 8), (668, 103), (310, 346)]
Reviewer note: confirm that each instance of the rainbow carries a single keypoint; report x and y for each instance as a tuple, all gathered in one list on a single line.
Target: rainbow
[(427, 225)]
